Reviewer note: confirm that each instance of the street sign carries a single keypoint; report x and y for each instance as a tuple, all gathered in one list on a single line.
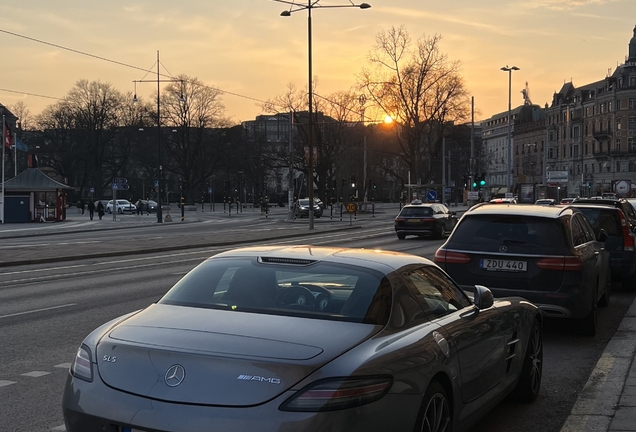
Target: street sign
[(156, 183), (92, 190), (115, 186), (431, 195), (351, 207), (473, 195), (120, 180), (556, 176), (119, 186), (210, 190), (509, 195)]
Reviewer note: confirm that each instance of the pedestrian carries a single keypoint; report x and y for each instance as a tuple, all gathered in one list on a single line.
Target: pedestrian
[(79, 206), (100, 209), (91, 209), (139, 204), (82, 206)]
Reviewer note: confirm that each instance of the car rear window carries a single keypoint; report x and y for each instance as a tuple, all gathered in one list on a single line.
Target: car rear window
[(606, 219), (519, 234), (318, 290), (416, 212)]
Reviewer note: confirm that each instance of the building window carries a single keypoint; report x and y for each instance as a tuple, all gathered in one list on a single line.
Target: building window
[(617, 145), (632, 81), (602, 108), (631, 144), (632, 166), (609, 106), (632, 104), (619, 105), (632, 123), (618, 166)]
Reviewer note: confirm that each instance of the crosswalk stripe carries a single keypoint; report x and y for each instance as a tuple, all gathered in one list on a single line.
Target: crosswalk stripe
[(4, 383)]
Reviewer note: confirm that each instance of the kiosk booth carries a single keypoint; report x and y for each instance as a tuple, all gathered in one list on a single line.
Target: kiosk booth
[(32, 196)]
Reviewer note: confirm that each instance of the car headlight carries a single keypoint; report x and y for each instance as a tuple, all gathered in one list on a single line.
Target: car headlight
[(82, 366), (338, 393)]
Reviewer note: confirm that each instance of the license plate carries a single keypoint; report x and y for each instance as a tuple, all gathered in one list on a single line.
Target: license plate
[(127, 429), (413, 220), (503, 265)]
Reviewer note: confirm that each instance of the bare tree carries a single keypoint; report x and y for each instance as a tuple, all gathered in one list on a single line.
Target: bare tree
[(193, 111), (23, 114), (420, 89)]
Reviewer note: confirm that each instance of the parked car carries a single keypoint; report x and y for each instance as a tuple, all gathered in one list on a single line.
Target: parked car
[(430, 220), (621, 203), (149, 206), (302, 208), (567, 200), (104, 203), (122, 206), (306, 339), (620, 240), (549, 255), (545, 202)]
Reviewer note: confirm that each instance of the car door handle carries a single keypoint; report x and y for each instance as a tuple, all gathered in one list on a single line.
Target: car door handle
[(596, 252), (473, 311)]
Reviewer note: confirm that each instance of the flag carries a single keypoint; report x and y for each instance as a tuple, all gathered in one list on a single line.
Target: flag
[(20, 145), (8, 139)]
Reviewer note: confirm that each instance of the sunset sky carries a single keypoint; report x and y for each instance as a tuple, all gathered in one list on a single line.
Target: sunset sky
[(245, 47)]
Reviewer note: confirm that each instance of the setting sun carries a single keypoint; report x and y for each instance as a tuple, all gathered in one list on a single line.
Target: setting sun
[(388, 119)]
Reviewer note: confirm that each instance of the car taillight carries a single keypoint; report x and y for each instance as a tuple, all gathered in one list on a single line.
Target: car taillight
[(337, 394), (82, 367), (444, 256), (628, 239), (560, 264)]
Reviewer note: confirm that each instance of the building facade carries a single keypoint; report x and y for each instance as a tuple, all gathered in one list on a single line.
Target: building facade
[(592, 133)]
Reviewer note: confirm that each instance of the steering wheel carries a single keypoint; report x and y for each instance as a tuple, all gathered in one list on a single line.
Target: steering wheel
[(296, 296)]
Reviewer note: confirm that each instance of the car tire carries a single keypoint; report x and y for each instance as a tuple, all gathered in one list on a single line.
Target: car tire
[(435, 414), (529, 383), (604, 301), (588, 323), (441, 233), (120, 211), (109, 211), (401, 236)]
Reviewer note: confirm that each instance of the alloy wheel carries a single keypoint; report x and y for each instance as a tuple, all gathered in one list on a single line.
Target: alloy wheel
[(437, 415)]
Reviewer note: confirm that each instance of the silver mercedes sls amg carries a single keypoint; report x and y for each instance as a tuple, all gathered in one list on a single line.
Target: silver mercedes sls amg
[(307, 339)]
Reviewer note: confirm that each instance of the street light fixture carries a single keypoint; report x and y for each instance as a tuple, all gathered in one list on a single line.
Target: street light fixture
[(160, 166), (295, 7), (508, 169)]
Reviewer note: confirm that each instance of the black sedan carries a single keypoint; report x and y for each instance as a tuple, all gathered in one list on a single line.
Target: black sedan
[(307, 339), (302, 208), (432, 220)]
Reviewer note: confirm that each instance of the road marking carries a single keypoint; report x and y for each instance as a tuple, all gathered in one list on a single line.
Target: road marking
[(6, 383), (63, 365), (37, 310), (61, 428), (36, 374)]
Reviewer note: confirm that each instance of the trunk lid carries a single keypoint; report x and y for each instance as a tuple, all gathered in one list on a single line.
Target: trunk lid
[(214, 357)]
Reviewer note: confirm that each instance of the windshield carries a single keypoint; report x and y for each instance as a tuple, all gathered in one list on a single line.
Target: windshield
[(416, 212), (320, 290)]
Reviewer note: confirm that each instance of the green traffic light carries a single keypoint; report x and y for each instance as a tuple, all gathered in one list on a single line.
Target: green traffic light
[(474, 184), (482, 183)]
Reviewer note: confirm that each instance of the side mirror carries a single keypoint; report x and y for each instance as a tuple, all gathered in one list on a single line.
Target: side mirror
[(483, 297), (602, 236)]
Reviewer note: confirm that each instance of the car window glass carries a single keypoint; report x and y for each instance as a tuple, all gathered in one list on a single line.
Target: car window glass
[(437, 294), (416, 212), (587, 229), (629, 211), (325, 291), (578, 236), (600, 218), (519, 233)]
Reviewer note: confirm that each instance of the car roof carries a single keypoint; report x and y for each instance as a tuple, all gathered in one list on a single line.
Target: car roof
[(420, 205), (594, 206), (380, 260), (553, 212)]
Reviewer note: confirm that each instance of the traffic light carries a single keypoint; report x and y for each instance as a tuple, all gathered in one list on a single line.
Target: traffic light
[(375, 186), (475, 180), (353, 181), (335, 184), (482, 180)]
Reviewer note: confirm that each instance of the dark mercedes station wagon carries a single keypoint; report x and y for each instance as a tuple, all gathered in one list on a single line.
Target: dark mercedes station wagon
[(549, 255)]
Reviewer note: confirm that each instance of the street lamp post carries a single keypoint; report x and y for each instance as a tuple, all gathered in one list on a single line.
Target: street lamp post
[(160, 161), (508, 169), (295, 7)]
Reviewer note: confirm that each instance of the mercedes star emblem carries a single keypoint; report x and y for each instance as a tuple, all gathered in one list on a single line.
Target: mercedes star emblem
[(503, 249), (175, 375)]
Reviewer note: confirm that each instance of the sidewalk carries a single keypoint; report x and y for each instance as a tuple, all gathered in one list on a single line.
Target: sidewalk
[(608, 400)]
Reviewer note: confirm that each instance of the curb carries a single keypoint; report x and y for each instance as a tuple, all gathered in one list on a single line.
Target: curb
[(607, 401)]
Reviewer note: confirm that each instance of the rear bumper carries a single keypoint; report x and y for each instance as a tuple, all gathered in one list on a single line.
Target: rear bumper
[(97, 407)]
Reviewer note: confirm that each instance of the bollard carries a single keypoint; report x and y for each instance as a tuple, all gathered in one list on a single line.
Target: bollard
[(182, 209)]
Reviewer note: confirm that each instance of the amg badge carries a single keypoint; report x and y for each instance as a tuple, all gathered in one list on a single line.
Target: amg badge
[(258, 378)]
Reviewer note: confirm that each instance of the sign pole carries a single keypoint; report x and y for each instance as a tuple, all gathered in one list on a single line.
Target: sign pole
[(3, 145)]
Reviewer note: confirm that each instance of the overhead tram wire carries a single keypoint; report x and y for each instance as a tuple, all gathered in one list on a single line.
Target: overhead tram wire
[(30, 94), (119, 63)]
